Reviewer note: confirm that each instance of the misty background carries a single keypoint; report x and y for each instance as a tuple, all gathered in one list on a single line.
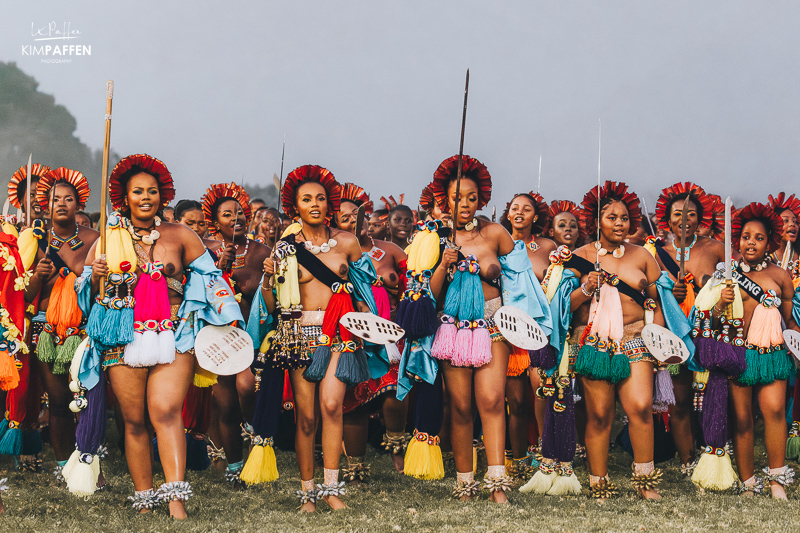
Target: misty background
[(373, 90)]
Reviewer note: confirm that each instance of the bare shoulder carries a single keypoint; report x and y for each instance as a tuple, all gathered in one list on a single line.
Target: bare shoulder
[(176, 230), (585, 251), (711, 245), (346, 240), (212, 244), (260, 251), (546, 244), (391, 249), (88, 234)]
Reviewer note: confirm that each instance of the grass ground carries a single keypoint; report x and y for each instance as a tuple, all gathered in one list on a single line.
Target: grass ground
[(392, 502)]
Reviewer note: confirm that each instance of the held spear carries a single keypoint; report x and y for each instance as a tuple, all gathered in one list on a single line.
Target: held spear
[(728, 246), (104, 174), (597, 266), (460, 157)]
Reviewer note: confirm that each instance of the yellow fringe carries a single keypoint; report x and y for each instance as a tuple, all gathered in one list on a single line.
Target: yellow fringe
[(10, 229), (424, 461), (423, 253), (714, 472), (119, 248), (28, 246), (203, 378), (261, 466)]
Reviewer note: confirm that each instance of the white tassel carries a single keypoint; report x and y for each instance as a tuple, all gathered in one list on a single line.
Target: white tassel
[(564, 485), (166, 347), (143, 350), (82, 477), (393, 352), (540, 483)]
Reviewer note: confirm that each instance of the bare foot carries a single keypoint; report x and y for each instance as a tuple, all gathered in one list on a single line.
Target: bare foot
[(777, 491), (308, 507), (2, 507), (498, 496), (650, 494), (399, 462), (177, 511), (466, 498), (335, 503), (101, 481)]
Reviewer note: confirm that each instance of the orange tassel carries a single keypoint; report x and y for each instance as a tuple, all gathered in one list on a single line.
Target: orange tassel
[(518, 361), (688, 302), (63, 311)]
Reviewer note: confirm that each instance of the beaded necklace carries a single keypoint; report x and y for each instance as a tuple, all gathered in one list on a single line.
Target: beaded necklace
[(57, 242), (685, 251), (239, 261)]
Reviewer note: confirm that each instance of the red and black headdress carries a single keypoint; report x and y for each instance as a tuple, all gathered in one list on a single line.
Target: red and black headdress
[(472, 169), (717, 226), (357, 195), (21, 176), (539, 207), (566, 206), (680, 191), (310, 174), (426, 200), (224, 191), (763, 213), (781, 203), (62, 174), (135, 164), (616, 191)]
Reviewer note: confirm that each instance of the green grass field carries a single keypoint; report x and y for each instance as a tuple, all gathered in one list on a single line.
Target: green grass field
[(391, 502)]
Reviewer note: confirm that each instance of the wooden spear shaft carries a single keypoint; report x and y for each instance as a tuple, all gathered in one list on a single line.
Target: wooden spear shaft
[(104, 174)]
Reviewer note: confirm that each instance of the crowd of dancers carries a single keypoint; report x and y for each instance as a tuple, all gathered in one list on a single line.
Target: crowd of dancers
[(88, 329)]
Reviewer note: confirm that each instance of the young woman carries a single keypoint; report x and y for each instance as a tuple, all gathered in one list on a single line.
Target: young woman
[(18, 192), (564, 228), (701, 256), (315, 287), (388, 261), (227, 212), (525, 218), (613, 359), (190, 213), (267, 231), (766, 291), (473, 354), (149, 367), (787, 256), (401, 223), (57, 325)]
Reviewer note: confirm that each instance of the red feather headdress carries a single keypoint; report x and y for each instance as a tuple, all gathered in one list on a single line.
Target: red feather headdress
[(612, 189), (51, 179), (426, 200), (717, 217), (142, 163), (21, 176), (679, 191), (763, 213), (223, 190), (781, 203), (539, 207), (566, 206), (357, 195), (310, 173), (472, 169), (390, 203)]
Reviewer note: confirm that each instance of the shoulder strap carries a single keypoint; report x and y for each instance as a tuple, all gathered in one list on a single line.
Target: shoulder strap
[(584, 267), (749, 286), (669, 263), (312, 263)]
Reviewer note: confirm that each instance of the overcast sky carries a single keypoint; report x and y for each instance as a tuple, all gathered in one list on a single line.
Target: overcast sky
[(373, 89)]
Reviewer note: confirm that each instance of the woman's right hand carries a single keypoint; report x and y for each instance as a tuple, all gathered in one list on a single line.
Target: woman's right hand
[(726, 296), (99, 269), (449, 258), (592, 281)]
